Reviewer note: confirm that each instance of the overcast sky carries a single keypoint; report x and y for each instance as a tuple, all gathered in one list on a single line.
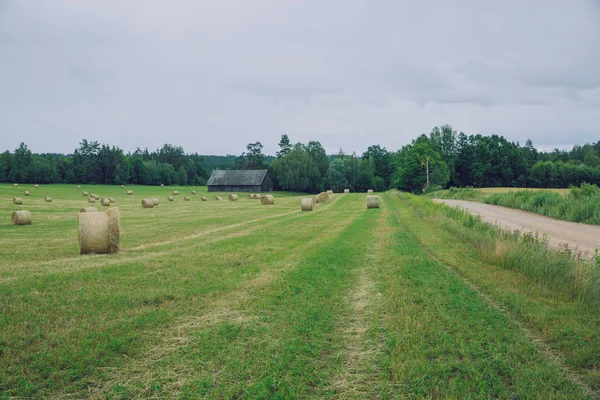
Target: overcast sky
[(212, 76)]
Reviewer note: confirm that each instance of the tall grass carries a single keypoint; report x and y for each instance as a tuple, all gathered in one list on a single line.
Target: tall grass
[(562, 270)]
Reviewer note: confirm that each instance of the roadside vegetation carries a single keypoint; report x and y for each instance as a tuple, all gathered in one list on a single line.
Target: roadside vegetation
[(578, 204)]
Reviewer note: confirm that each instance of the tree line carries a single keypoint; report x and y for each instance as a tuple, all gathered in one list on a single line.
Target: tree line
[(439, 159)]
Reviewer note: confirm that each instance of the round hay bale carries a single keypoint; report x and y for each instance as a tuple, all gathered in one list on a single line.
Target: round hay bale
[(93, 195), (129, 192), (26, 193), (372, 201), (18, 201), (147, 203), (78, 187), (267, 200), (105, 202), (97, 196), (89, 209), (322, 197), (122, 186), (155, 200), (233, 197), (162, 185), (111, 200), (250, 196), (48, 199), (307, 204), (257, 196), (21, 217), (203, 198), (370, 191), (175, 192), (170, 198), (84, 194), (193, 192), (15, 184), (99, 233), (218, 198), (330, 192), (36, 186), (92, 200), (346, 190), (187, 198)]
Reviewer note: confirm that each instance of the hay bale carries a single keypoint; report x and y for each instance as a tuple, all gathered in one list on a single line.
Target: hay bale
[(84, 194), (93, 195), (129, 192), (187, 198), (267, 200), (18, 201), (346, 190), (78, 187), (21, 217), (111, 200), (175, 192), (122, 186), (15, 184), (162, 185), (372, 201), (170, 198), (258, 196), (155, 200), (218, 198), (48, 199), (203, 198), (250, 196), (97, 196), (233, 197), (193, 192), (36, 186), (147, 203), (92, 200), (307, 204), (89, 209), (330, 192), (370, 191), (26, 193), (105, 202), (99, 233), (322, 197)]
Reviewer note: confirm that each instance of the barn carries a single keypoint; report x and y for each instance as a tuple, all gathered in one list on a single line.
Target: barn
[(240, 181)]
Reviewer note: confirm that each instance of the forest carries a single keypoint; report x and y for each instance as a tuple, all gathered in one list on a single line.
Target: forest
[(443, 158)]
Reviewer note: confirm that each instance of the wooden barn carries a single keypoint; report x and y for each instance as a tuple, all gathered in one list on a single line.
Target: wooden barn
[(240, 181)]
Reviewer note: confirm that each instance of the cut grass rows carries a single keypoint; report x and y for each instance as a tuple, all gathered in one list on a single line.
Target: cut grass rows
[(570, 329), (341, 303)]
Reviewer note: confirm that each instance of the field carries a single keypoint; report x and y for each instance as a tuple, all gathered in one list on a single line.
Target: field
[(240, 300)]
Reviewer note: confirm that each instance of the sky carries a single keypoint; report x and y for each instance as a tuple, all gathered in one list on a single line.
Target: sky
[(213, 76)]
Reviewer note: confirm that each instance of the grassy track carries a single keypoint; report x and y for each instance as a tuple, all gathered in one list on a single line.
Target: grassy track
[(238, 300)]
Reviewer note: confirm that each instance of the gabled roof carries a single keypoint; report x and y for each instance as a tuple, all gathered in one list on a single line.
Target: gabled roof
[(237, 177)]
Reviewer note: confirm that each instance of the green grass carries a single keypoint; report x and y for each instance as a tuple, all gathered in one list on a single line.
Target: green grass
[(239, 300), (578, 204)]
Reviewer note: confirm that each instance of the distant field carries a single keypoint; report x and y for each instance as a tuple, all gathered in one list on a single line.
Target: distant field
[(240, 300)]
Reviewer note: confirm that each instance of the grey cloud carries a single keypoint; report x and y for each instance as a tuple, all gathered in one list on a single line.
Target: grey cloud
[(213, 76)]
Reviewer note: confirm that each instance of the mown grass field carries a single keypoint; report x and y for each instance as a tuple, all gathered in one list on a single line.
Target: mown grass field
[(239, 300)]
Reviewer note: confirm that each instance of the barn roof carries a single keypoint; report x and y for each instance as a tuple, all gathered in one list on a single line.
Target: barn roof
[(237, 177)]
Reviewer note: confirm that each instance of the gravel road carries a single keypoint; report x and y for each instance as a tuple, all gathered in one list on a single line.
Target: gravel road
[(581, 237)]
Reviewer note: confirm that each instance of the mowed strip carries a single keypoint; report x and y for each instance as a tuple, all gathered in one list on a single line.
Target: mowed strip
[(445, 341), (92, 318), (280, 343), (570, 329)]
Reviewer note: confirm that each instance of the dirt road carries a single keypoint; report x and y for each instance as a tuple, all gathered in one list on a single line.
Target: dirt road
[(580, 237)]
